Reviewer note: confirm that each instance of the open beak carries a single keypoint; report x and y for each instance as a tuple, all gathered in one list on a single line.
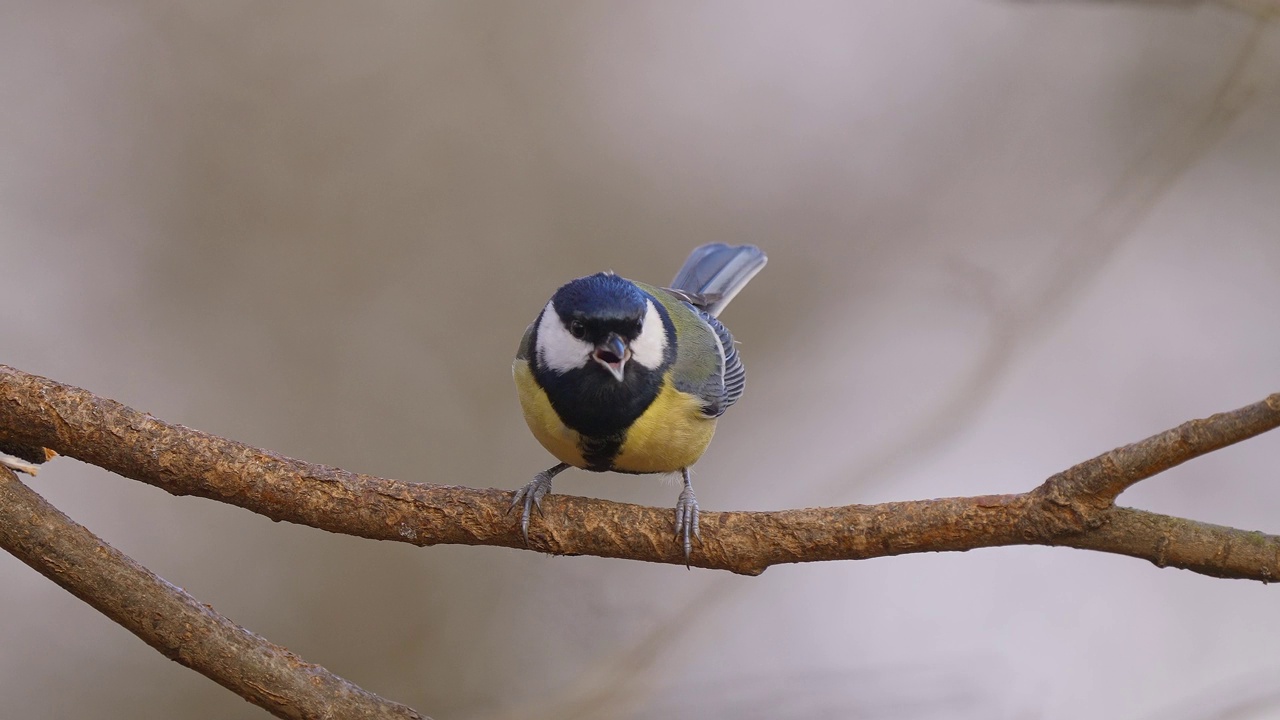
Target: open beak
[(613, 354)]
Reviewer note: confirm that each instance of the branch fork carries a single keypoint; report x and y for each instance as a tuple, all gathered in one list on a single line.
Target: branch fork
[(1074, 508)]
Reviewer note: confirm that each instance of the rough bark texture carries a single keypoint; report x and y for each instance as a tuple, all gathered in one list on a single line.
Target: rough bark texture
[(168, 619), (1074, 508)]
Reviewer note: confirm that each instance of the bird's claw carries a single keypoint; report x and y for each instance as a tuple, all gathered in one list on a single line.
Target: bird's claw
[(531, 497), (687, 520)]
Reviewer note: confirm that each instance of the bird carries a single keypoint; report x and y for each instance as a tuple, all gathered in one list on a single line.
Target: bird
[(617, 375)]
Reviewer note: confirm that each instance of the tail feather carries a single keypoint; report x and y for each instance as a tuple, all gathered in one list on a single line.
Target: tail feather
[(716, 272)]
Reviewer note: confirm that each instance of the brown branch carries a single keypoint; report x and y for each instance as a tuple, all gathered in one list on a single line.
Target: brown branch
[(1072, 509), (168, 619)]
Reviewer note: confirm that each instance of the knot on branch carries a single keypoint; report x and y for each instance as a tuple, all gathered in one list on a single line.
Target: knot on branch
[(1061, 508)]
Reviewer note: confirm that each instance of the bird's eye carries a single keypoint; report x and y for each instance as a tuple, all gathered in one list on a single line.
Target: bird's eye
[(577, 329)]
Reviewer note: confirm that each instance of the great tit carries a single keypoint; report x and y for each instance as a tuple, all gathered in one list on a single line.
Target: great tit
[(623, 376)]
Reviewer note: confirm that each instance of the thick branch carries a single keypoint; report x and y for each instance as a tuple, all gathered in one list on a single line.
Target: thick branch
[(1071, 509), (171, 621)]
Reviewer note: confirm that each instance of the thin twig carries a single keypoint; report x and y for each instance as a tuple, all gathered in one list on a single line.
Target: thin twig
[(168, 619), (1071, 509)]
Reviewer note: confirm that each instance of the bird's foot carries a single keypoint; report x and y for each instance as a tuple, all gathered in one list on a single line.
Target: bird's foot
[(531, 496), (687, 518)]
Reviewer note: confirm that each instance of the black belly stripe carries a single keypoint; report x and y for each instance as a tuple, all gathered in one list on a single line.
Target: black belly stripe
[(599, 452)]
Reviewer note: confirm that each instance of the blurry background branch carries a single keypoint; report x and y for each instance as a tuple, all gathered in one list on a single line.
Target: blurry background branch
[(1074, 508), (168, 619)]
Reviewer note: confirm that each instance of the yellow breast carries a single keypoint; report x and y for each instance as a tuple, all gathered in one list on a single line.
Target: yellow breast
[(671, 434), (559, 439)]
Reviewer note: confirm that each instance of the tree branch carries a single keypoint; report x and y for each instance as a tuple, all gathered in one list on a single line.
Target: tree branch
[(1074, 508), (168, 619)]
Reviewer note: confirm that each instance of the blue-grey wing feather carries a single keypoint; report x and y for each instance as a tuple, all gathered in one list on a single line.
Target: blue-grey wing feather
[(727, 390), (707, 282), (735, 373)]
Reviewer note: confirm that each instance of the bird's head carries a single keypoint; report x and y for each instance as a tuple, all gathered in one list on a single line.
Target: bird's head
[(601, 323)]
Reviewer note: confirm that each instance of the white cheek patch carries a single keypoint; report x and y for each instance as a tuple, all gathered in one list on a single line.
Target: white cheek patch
[(651, 346), (559, 351)]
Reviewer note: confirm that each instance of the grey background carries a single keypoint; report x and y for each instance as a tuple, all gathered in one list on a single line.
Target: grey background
[(1003, 238)]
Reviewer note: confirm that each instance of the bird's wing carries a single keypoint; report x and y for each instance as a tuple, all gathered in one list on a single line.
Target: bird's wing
[(735, 374), (706, 365)]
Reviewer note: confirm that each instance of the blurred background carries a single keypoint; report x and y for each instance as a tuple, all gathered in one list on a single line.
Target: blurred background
[(1003, 238)]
